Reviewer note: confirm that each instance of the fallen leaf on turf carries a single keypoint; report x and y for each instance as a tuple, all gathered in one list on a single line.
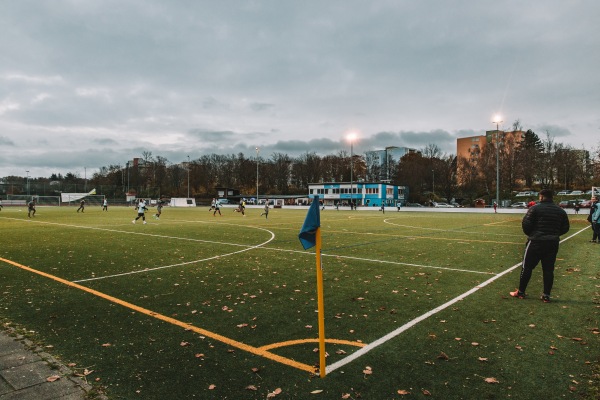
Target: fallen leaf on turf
[(251, 387), (577, 339), (474, 344), (340, 352), (199, 355), (367, 371), (531, 325), (426, 392), (316, 391), (483, 359), (346, 396), (52, 378), (255, 370), (274, 393), (403, 392), (183, 344), (491, 380), (212, 387), (443, 356), (106, 345)]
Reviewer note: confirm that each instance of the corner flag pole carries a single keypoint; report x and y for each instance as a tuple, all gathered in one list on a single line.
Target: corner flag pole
[(322, 365)]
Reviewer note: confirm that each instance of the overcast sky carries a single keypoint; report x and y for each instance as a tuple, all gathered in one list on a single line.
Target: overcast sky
[(89, 83)]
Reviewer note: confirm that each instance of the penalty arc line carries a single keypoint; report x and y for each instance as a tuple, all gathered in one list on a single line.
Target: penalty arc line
[(423, 317)]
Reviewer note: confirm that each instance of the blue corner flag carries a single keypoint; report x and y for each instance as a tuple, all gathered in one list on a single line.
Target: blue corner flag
[(308, 233)]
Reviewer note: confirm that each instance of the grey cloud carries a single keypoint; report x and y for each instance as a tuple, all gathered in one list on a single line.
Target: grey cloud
[(4, 141)]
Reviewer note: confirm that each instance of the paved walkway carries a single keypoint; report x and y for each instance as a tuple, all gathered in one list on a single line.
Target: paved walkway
[(25, 369)]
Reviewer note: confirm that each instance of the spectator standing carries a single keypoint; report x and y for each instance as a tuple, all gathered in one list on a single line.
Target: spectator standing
[(595, 228), (543, 224)]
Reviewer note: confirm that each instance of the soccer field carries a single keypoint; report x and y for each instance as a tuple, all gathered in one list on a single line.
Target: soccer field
[(201, 306)]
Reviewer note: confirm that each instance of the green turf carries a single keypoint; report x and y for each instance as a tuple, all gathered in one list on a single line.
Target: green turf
[(248, 279)]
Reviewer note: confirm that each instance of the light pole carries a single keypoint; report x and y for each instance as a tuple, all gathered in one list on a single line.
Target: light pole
[(497, 121), (85, 179), (257, 150), (127, 179), (433, 184), (188, 171), (27, 183), (351, 137)]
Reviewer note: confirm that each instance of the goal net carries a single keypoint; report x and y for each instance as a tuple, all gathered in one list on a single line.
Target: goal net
[(73, 199)]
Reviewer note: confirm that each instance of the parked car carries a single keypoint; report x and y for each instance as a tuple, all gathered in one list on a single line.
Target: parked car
[(519, 204), (442, 205), (576, 193), (567, 203), (585, 203), (414, 205), (597, 192), (223, 201), (526, 193), (564, 192)]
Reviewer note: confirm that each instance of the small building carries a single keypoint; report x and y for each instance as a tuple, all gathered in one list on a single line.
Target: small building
[(367, 194)]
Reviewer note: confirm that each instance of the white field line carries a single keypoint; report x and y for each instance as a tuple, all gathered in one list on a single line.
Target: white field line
[(410, 324)]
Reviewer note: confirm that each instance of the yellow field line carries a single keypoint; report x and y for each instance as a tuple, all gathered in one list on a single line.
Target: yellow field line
[(242, 346), (302, 341)]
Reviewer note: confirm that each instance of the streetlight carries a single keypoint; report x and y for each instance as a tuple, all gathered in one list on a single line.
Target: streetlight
[(497, 120), (188, 171), (433, 184), (27, 183), (257, 150), (351, 137), (85, 179)]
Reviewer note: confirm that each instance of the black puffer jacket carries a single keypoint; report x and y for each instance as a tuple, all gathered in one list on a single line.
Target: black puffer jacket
[(545, 221)]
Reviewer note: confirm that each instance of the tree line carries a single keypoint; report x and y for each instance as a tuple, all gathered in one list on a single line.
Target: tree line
[(430, 174)]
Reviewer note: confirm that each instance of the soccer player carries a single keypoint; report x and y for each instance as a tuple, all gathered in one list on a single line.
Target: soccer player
[(0, 204), (217, 208), (81, 205), (212, 204), (266, 212), (159, 206), (105, 205), (543, 224), (31, 208), (141, 209)]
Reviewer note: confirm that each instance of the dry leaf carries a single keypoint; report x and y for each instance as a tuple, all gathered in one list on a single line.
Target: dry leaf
[(212, 387), (52, 378), (316, 391), (474, 344), (443, 356), (346, 396), (491, 380), (183, 344), (426, 392), (106, 345), (251, 387), (482, 359), (403, 392), (255, 370)]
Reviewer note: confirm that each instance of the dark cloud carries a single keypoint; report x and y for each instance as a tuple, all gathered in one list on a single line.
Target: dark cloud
[(286, 77)]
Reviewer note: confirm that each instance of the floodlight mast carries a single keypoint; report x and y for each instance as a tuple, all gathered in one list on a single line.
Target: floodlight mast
[(351, 138), (497, 120)]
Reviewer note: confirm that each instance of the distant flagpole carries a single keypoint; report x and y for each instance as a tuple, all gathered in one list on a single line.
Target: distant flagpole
[(310, 236)]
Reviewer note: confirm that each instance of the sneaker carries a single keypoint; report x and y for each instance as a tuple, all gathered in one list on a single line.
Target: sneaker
[(145, 222), (545, 298), (518, 294), (592, 241), (133, 222)]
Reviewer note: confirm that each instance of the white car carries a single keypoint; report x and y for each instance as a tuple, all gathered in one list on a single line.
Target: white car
[(442, 205), (563, 192), (576, 193), (519, 204)]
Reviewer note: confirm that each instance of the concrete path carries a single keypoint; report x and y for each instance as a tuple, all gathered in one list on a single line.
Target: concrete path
[(25, 369)]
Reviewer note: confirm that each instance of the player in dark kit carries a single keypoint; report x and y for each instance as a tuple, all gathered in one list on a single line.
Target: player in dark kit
[(31, 208), (81, 205)]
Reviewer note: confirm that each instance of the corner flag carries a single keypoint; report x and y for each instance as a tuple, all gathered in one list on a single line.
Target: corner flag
[(308, 233), (310, 236)]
